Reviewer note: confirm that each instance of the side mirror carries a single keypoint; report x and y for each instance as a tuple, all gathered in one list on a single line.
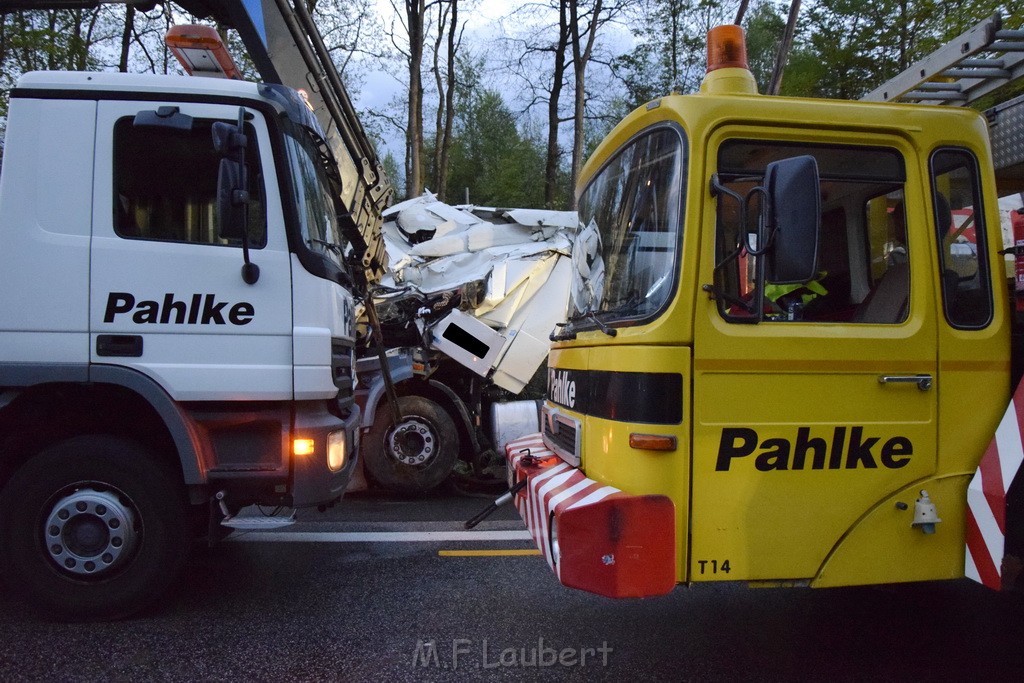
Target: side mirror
[(232, 198), (792, 218)]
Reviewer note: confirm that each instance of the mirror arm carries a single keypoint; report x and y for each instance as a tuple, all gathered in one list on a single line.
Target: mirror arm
[(717, 188), (250, 271), (765, 232)]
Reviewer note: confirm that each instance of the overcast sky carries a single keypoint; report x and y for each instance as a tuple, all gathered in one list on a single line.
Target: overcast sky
[(486, 21)]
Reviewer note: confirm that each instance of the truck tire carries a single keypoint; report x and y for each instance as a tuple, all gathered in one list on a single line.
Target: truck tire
[(93, 528), (415, 455)]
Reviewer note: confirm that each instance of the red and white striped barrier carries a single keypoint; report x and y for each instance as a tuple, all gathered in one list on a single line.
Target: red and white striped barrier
[(553, 483), (608, 542), (986, 497)]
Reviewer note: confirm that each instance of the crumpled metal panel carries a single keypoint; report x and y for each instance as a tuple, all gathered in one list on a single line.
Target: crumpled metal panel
[(522, 257)]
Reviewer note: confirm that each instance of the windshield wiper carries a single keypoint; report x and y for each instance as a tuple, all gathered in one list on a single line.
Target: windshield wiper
[(329, 246), (569, 331), (592, 317), (625, 308)]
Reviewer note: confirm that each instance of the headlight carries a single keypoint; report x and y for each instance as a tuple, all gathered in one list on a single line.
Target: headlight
[(336, 450)]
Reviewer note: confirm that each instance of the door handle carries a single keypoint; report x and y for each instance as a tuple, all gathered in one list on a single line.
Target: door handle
[(119, 345), (923, 382)]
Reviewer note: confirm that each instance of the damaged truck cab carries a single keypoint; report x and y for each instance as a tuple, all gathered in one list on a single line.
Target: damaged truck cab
[(793, 351)]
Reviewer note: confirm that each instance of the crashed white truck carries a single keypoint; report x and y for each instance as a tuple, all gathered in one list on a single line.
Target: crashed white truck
[(466, 308)]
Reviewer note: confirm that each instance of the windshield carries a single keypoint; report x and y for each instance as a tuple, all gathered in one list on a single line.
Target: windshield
[(626, 253), (315, 202)]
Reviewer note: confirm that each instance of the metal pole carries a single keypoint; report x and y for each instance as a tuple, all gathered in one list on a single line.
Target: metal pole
[(784, 47)]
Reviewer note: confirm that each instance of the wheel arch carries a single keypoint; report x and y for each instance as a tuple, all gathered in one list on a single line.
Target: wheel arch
[(113, 400), (438, 392)]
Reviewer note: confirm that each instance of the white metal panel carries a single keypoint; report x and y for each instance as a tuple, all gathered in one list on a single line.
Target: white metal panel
[(201, 355), (45, 198), (323, 312), (533, 322), (468, 341)]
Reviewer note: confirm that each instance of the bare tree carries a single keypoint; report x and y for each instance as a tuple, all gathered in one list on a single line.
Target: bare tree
[(536, 54), (348, 29), (784, 47), (558, 61), (585, 20), (449, 32), (126, 38), (415, 13)]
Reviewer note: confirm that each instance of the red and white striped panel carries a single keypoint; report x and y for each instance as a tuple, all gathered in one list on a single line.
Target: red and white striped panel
[(986, 496), (554, 485)]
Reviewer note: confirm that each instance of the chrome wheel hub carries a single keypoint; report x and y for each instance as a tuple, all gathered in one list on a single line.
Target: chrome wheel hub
[(89, 533), (412, 442)]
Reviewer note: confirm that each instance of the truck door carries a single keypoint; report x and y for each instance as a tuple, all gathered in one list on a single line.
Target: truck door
[(806, 420), (167, 295)]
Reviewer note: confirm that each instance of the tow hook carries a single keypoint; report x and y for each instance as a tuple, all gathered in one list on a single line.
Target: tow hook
[(505, 497), (501, 500)]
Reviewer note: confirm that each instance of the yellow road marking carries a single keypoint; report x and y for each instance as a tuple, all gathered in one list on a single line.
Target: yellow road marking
[(486, 553)]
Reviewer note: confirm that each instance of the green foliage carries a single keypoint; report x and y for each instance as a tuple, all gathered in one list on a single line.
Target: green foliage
[(670, 54), (395, 175), (764, 27), (45, 40), (842, 49), (845, 48), (48, 40), (500, 164)]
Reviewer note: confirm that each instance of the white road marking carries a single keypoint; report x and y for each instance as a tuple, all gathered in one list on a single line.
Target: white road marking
[(377, 536)]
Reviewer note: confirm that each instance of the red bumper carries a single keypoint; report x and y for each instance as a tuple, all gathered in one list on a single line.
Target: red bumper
[(594, 537)]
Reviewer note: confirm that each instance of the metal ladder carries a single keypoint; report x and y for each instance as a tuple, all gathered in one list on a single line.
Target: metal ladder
[(963, 70)]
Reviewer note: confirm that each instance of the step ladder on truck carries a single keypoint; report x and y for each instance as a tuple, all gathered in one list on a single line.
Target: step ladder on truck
[(795, 368)]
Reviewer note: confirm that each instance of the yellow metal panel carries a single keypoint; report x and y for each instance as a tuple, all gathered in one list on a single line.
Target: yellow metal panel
[(975, 364), (795, 437), (885, 548), (607, 455)]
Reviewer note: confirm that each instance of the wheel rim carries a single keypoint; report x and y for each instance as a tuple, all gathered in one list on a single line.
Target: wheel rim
[(90, 533), (412, 442)]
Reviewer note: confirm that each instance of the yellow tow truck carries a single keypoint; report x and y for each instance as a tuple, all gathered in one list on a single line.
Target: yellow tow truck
[(791, 345)]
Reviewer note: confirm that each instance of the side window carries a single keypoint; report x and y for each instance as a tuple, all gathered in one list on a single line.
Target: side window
[(960, 231), (863, 265), (165, 185)]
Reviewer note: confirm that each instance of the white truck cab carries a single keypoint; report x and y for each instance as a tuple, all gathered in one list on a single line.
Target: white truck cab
[(176, 326)]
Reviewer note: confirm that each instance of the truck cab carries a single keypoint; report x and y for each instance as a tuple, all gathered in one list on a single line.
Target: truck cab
[(793, 350), (177, 329)]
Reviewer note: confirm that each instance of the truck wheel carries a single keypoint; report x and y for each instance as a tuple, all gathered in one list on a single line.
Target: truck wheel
[(416, 454), (93, 528)]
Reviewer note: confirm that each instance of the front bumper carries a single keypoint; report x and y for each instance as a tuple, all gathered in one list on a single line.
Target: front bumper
[(313, 481), (594, 537)]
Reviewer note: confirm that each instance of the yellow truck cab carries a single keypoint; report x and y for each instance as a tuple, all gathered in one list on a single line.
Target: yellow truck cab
[(790, 346)]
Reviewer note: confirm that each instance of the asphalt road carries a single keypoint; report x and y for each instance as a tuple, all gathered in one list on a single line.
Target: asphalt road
[(396, 611)]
